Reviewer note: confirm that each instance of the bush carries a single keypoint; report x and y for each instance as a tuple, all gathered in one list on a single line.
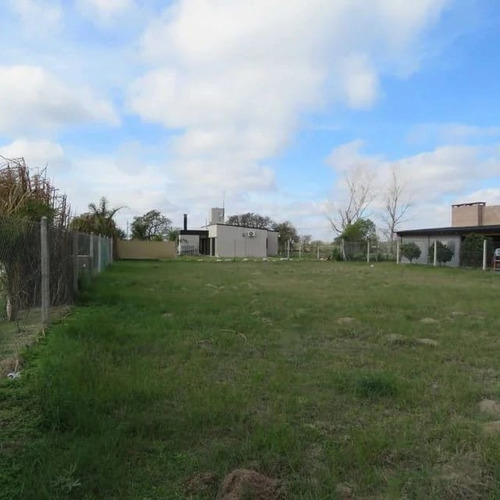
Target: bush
[(444, 253), (411, 251), (471, 251)]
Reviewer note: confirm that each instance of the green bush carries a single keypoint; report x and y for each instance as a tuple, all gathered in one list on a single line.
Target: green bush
[(411, 251), (444, 253), (471, 250)]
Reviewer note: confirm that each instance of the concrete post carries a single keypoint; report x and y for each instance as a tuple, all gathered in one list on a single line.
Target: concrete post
[(99, 253), (368, 252), (435, 253), (398, 251), (485, 255), (91, 254), (112, 249), (44, 251), (75, 262), (288, 250)]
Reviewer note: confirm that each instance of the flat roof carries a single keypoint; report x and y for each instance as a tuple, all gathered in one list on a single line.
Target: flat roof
[(193, 232), (460, 231), (244, 227)]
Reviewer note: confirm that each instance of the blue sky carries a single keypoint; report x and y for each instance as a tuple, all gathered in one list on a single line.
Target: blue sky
[(173, 105)]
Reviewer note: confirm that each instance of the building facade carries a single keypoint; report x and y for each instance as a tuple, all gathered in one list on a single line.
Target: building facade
[(466, 219), (227, 241)]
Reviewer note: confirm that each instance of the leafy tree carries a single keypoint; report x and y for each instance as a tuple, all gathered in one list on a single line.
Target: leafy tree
[(250, 220), (173, 235), (98, 220), (362, 230), (444, 253), (152, 226), (411, 251), (287, 231)]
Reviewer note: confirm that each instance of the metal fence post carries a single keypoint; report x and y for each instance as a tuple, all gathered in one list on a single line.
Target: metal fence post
[(75, 262), (99, 253), (44, 252), (435, 252)]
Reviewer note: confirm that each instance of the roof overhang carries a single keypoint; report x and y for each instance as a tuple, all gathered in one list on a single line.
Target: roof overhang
[(453, 231)]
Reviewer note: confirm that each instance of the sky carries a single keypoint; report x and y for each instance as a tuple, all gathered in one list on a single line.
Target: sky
[(263, 105)]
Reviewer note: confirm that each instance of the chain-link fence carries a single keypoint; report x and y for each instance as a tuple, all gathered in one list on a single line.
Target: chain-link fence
[(41, 270)]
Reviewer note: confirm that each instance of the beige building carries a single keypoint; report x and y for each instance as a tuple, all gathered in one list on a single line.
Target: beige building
[(475, 214), (227, 241)]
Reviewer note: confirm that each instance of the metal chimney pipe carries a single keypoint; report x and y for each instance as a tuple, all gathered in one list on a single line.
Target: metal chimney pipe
[(185, 222)]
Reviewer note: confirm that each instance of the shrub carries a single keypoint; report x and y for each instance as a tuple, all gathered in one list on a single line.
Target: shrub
[(411, 251), (471, 250), (444, 253)]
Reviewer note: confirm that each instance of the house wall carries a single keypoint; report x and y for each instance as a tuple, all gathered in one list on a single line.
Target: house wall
[(272, 243), (424, 242), (230, 242), (491, 215), (137, 249)]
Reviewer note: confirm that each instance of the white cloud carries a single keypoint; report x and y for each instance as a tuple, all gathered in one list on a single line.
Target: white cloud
[(38, 16), (106, 10), (37, 153), (38, 100), (236, 76)]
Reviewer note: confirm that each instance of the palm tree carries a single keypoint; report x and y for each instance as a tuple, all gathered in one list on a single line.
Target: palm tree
[(103, 218), (98, 220)]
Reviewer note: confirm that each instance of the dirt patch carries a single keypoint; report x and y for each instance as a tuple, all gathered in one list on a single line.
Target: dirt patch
[(243, 484), (396, 339), (201, 483), (429, 321), (344, 492), (490, 407), (429, 342), (491, 428), (345, 321), (464, 476)]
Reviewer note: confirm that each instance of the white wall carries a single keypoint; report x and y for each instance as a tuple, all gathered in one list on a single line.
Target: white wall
[(424, 242), (272, 243), (231, 243)]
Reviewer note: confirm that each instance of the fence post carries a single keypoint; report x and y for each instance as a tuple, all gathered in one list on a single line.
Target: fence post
[(317, 253), (99, 253), (288, 250), (435, 252), (91, 254), (75, 262), (44, 252), (398, 251), (485, 254), (368, 251), (111, 249)]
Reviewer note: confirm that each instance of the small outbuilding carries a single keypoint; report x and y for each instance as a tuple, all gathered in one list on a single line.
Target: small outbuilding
[(226, 240)]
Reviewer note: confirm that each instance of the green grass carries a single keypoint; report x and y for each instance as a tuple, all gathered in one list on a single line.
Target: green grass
[(309, 372)]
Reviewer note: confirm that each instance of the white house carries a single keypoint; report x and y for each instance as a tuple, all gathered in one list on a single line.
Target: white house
[(227, 241)]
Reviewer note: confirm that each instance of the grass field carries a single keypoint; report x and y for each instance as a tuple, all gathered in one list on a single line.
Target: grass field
[(341, 381)]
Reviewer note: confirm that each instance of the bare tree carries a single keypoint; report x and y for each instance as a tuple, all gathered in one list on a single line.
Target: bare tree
[(360, 195), (397, 203)]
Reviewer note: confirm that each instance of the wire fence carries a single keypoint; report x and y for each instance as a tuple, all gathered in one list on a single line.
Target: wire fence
[(41, 270)]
